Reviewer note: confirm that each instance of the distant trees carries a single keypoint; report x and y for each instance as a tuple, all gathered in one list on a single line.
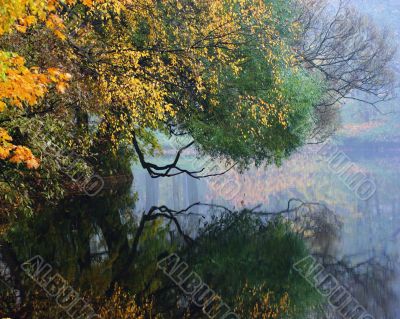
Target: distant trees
[(349, 53)]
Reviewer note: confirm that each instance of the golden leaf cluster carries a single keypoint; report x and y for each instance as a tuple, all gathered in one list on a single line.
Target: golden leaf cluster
[(20, 85), (16, 154), (266, 305)]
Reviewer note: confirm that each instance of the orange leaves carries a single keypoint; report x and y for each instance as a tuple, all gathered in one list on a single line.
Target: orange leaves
[(56, 24), (18, 84), (88, 3), (4, 152), (19, 154), (59, 78), (22, 154), (24, 23), (16, 154), (61, 87)]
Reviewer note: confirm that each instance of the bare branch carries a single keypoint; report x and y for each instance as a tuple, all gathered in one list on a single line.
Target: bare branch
[(351, 56), (172, 169)]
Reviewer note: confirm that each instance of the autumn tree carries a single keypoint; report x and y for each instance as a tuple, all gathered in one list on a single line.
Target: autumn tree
[(222, 72), (241, 80), (26, 88), (22, 87)]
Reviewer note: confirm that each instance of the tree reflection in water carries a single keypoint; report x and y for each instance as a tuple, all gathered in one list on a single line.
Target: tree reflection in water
[(102, 242)]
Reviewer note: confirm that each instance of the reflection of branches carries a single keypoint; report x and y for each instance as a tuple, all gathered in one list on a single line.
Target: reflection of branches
[(368, 280), (345, 268), (154, 213), (172, 215), (163, 211), (290, 209), (172, 169), (10, 271), (313, 218)]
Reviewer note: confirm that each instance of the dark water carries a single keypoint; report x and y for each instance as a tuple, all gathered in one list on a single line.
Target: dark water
[(89, 240)]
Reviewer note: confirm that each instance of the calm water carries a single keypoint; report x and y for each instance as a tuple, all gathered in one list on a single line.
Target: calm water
[(88, 240), (370, 232)]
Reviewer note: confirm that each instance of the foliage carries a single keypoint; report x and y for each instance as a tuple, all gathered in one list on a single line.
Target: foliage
[(19, 84), (264, 305), (150, 65), (37, 304), (123, 305), (221, 71), (225, 73), (247, 259)]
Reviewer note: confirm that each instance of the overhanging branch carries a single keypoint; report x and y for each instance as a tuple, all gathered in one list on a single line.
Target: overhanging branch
[(172, 169)]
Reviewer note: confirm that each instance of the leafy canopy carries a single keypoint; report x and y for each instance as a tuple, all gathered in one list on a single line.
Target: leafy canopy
[(90, 76), (221, 71)]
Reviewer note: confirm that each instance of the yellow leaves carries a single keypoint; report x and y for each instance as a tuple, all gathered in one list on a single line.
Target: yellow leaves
[(266, 304), (4, 152), (59, 78), (24, 23), (4, 136), (53, 72), (56, 24), (22, 14), (143, 98), (20, 28), (265, 113), (29, 20), (184, 62), (124, 306)]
